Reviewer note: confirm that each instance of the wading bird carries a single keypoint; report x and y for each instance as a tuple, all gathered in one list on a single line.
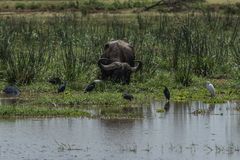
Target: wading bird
[(62, 87), (210, 88), (127, 96), (91, 86), (11, 91), (166, 93)]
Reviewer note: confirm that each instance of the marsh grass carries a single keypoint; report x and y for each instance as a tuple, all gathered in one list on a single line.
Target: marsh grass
[(36, 111), (23, 50), (184, 46)]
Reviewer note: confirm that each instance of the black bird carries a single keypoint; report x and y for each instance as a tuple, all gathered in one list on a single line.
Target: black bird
[(55, 80), (166, 93), (90, 87), (127, 96), (62, 87), (11, 91)]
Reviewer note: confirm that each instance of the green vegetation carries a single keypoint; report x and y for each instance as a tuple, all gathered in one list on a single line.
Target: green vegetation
[(80, 5), (34, 111), (181, 51), (95, 6), (69, 46)]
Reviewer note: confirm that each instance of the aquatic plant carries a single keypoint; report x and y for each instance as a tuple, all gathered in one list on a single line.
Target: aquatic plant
[(38, 111)]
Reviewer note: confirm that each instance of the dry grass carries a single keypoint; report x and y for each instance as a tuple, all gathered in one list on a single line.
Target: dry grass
[(10, 5), (222, 1)]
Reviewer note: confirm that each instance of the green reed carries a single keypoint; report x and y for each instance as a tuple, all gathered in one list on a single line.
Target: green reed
[(23, 50), (70, 45)]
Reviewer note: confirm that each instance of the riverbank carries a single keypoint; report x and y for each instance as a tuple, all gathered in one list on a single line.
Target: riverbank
[(41, 100)]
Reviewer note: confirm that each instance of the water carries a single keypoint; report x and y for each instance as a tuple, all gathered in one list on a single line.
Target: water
[(172, 135)]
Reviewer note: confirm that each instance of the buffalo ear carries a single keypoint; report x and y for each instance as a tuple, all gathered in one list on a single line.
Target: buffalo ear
[(106, 46)]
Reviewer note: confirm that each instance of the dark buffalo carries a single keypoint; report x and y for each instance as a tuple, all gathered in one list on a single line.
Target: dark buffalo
[(118, 62)]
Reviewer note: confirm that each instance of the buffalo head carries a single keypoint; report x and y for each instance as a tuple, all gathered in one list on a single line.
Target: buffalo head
[(118, 61)]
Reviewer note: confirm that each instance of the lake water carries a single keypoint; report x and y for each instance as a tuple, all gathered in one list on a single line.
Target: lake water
[(170, 135)]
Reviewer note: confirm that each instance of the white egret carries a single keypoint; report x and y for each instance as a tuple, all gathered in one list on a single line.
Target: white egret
[(210, 88)]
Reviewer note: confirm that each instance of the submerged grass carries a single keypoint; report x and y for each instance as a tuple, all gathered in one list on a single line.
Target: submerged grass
[(36, 111)]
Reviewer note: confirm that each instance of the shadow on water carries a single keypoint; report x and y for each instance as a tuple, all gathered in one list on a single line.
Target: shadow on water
[(189, 130)]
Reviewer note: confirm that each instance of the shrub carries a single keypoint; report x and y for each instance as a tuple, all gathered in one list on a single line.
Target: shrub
[(230, 9), (20, 6), (34, 6)]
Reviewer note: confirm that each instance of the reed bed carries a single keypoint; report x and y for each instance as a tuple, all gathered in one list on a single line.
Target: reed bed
[(69, 46)]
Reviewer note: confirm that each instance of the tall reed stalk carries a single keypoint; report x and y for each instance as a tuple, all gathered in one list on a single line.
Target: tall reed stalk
[(70, 45)]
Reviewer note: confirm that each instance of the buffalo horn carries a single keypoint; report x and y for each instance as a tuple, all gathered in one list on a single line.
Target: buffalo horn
[(111, 66), (136, 68)]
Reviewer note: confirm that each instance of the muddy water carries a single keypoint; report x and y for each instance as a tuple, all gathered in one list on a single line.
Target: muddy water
[(175, 134)]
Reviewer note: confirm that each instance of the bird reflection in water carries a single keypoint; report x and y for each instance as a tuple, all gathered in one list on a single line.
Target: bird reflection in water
[(166, 106)]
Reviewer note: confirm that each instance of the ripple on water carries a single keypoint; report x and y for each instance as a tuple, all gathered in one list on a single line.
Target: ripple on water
[(177, 133)]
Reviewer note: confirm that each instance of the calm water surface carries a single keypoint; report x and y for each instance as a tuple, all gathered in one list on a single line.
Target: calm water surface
[(172, 135)]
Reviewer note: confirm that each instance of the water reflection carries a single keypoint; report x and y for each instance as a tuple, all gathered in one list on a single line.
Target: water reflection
[(167, 106), (176, 133)]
